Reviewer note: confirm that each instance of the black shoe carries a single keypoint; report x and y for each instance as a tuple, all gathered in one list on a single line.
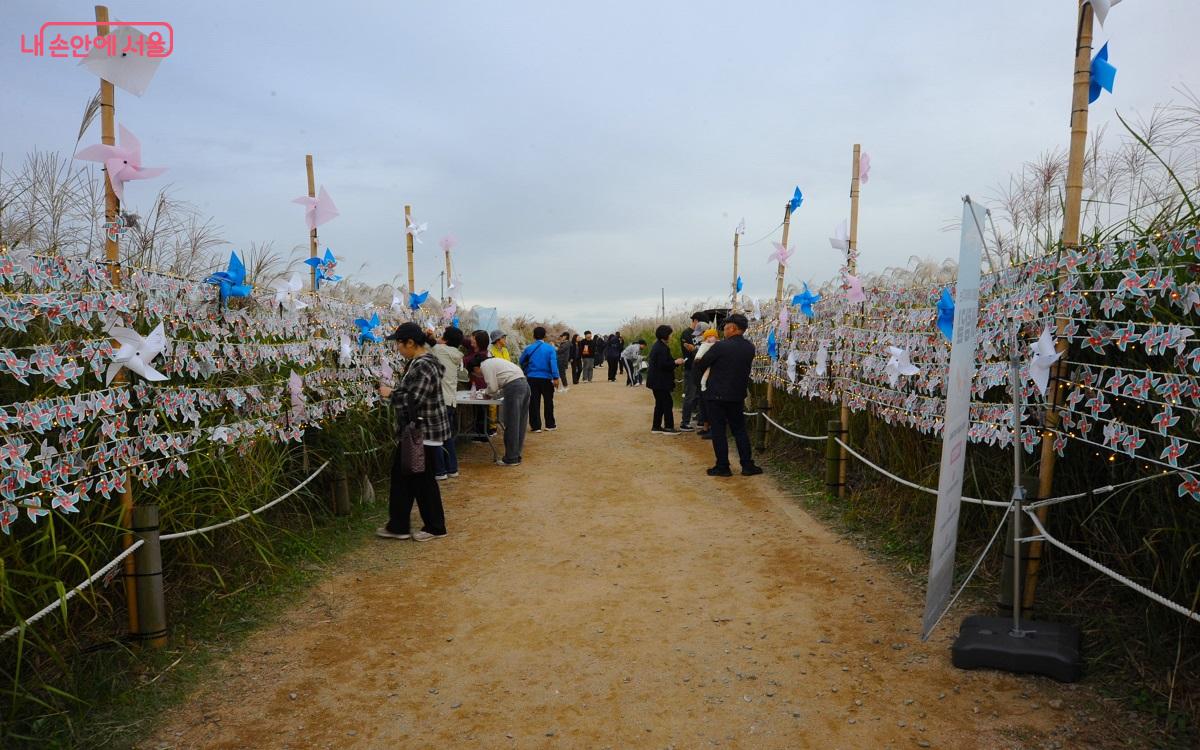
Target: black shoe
[(717, 471), (705, 435), (686, 428), (752, 471)]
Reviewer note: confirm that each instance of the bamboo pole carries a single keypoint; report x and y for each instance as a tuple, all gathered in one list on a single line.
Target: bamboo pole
[(787, 224), (312, 235), (1072, 208), (733, 295), (852, 269), (112, 253), (412, 283)]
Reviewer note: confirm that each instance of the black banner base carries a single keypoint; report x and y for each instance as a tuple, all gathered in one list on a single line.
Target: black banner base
[(1050, 649)]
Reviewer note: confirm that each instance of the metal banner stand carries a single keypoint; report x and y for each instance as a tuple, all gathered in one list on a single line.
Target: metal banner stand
[(1046, 648)]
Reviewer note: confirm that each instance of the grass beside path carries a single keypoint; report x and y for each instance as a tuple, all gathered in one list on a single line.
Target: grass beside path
[(132, 688)]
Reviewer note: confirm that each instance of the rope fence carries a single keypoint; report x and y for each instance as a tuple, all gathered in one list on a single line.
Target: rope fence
[(63, 599), (244, 516), (1189, 613)]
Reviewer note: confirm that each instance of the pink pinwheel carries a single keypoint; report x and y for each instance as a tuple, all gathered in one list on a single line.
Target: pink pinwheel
[(123, 163), (854, 289), (448, 242), (864, 167), (781, 253), (319, 210)]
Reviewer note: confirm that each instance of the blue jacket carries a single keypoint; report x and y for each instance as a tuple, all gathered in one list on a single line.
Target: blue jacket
[(540, 360)]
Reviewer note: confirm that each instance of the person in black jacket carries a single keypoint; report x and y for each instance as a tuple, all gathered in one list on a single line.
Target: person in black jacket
[(612, 353), (660, 379), (728, 365)]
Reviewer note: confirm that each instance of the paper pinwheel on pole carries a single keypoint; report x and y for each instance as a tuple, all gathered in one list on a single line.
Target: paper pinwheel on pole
[(945, 318), (1101, 8), (287, 293), (232, 281), (366, 329), (805, 301), (416, 300), (898, 365), (1044, 357), (324, 268), (123, 163), (319, 210), (772, 346), (137, 352), (1103, 75), (455, 289), (416, 230), (739, 284), (864, 168), (131, 73), (781, 254), (296, 390), (797, 199)]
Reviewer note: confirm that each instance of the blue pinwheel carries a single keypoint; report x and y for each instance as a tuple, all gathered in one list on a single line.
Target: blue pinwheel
[(945, 318), (366, 329), (739, 284), (416, 300), (1102, 75), (324, 267), (805, 301), (232, 281), (454, 322), (772, 346), (797, 199)]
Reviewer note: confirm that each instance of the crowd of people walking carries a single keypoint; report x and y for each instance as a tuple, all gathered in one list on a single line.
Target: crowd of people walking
[(716, 375)]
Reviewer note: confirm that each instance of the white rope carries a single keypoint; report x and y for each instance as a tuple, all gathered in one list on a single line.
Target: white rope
[(365, 452), (986, 549), (244, 516), (914, 485), (1111, 573), (57, 602), (783, 429)]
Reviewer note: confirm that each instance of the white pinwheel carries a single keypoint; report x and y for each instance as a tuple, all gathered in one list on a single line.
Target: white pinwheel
[(841, 236), (416, 230), (287, 293), (898, 365), (137, 352), (1044, 356)]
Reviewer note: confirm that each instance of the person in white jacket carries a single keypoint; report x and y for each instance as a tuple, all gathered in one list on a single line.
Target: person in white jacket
[(448, 353), (632, 357)]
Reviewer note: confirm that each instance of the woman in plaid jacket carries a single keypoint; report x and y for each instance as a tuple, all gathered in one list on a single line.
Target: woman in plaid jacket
[(418, 399)]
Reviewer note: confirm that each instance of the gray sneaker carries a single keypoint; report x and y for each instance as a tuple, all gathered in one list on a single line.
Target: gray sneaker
[(383, 533), (425, 536)]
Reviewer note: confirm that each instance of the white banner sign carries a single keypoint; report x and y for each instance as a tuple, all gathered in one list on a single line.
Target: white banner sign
[(958, 417)]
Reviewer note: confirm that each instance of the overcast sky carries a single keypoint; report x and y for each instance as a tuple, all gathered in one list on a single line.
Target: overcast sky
[(588, 154)]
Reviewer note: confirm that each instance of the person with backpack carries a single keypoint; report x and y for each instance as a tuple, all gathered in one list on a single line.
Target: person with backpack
[(539, 361)]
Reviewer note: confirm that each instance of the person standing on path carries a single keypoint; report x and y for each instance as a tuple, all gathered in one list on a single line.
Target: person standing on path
[(450, 357), (418, 400), (632, 357), (691, 385), (612, 353), (505, 379), (660, 379), (597, 350), (728, 366), (587, 355), (563, 352), (576, 362), (539, 362)]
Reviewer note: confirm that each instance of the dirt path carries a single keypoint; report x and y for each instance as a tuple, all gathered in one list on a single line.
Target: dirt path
[(609, 594)]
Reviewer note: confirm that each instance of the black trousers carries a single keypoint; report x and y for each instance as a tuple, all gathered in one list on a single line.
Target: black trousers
[(664, 409), (613, 369), (541, 388), (691, 395), (420, 487), (576, 369), (729, 413)]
